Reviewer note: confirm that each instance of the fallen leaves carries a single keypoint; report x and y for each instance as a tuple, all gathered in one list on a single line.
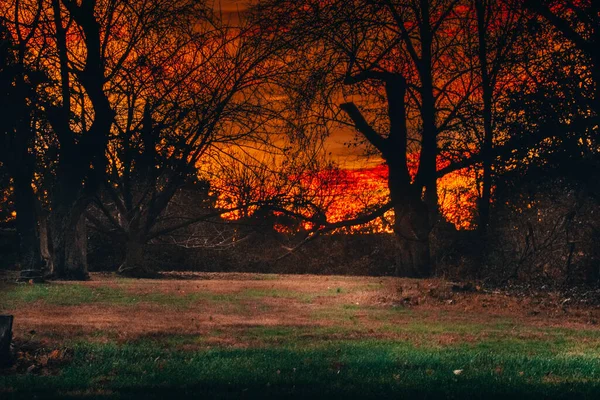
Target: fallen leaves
[(35, 358)]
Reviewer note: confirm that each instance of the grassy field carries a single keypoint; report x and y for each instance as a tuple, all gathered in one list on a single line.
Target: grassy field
[(270, 336)]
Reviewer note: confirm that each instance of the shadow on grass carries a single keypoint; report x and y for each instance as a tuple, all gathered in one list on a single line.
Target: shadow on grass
[(261, 390), (366, 369)]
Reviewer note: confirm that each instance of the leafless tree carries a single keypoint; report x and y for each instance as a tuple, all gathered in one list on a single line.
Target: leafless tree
[(398, 63), (22, 74), (85, 46), (201, 92)]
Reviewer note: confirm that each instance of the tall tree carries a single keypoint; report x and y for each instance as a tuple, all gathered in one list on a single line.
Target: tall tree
[(496, 28), (85, 45), (20, 76), (397, 60), (199, 88), (579, 23)]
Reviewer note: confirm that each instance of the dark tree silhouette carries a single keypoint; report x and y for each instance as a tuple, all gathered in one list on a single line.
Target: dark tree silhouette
[(402, 55), (18, 100), (579, 23)]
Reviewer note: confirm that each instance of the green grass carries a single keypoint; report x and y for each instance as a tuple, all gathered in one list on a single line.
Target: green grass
[(59, 294), (63, 295), (16, 295), (349, 350), (367, 369)]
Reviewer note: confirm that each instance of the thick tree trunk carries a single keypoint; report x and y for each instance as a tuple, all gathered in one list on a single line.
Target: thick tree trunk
[(134, 264), (76, 250), (412, 230), (29, 245), (411, 225), (6, 322), (69, 245)]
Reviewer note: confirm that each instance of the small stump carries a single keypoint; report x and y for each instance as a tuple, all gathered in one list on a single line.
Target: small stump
[(6, 322)]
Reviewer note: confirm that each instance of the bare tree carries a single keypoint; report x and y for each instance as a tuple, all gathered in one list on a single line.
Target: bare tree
[(493, 30), (397, 61), (85, 47), (21, 74), (579, 23), (200, 88)]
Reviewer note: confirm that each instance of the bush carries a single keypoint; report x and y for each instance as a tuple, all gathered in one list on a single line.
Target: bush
[(547, 232)]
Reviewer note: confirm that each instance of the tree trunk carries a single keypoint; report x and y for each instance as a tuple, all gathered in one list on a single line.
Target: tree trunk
[(412, 230), (427, 163), (427, 175), (76, 250), (69, 244), (488, 133), (6, 322), (26, 221), (411, 225), (45, 253), (134, 265)]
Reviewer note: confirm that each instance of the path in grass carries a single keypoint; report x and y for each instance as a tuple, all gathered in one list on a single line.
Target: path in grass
[(252, 334)]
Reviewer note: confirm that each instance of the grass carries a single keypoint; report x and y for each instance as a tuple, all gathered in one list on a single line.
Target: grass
[(371, 369), (74, 294), (63, 295), (344, 345), (12, 296)]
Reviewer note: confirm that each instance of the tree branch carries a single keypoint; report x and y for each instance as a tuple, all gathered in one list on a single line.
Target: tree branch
[(361, 124)]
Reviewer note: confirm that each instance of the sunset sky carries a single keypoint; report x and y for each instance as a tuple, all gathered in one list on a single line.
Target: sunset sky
[(365, 177), (347, 157)]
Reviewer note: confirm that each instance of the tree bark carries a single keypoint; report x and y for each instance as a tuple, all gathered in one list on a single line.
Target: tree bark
[(427, 175), (45, 253), (29, 244), (76, 250), (414, 259), (412, 229), (69, 244), (134, 265), (412, 217), (6, 322)]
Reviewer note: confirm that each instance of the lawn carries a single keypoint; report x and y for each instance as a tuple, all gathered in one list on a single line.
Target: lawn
[(272, 336)]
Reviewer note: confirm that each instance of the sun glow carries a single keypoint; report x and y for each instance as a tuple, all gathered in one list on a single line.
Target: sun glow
[(342, 194)]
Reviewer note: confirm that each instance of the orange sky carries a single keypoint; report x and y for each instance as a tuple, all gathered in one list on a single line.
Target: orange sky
[(366, 177), (345, 156)]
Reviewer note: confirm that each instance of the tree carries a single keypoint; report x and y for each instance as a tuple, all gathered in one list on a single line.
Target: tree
[(549, 117), (20, 79), (494, 32), (85, 45), (579, 23), (398, 60), (199, 90)]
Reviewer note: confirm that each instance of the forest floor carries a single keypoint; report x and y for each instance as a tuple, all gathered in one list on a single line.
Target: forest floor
[(271, 336)]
